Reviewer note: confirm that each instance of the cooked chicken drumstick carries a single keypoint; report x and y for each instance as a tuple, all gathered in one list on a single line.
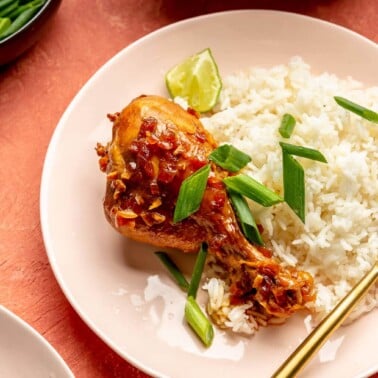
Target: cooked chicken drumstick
[(155, 145)]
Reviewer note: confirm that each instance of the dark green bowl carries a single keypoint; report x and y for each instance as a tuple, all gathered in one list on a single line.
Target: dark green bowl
[(16, 44)]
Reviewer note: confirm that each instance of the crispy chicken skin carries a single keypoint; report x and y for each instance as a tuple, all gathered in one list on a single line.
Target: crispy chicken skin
[(155, 145)]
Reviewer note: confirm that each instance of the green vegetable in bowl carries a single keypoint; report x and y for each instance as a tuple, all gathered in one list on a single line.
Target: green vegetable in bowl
[(4, 24), (5, 3), (5, 11), (14, 14)]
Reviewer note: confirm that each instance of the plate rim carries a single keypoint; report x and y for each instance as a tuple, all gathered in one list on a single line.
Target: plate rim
[(49, 157), (32, 332)]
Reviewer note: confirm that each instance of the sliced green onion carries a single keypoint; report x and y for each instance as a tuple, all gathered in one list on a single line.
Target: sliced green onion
[(363, 112), (198, 321), (197, 271), (287, 125), (249, 187), (230, 158), (191, 193), (173, 269), (245, 217), (305, 152), (294, 185)]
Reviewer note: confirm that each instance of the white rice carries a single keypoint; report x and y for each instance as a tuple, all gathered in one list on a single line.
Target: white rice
[(339, 241)]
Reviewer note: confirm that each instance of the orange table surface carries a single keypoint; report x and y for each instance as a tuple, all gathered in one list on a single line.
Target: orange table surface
[(34, 92)]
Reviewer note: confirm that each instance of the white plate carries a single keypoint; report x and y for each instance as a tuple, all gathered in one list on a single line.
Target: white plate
[(25, 353), (117, 286)]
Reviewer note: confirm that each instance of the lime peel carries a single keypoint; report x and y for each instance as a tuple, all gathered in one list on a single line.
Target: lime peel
[(197, 80)]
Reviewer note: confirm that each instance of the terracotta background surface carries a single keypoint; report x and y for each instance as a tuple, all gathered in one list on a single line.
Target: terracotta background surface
[(34, 92)]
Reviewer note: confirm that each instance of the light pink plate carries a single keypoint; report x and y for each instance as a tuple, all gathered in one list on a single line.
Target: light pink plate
[(118, 286)]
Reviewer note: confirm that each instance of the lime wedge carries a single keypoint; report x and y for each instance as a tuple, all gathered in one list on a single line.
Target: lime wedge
[(197, 80)]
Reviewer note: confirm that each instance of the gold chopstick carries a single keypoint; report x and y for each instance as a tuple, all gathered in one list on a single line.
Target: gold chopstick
[(314, 341)]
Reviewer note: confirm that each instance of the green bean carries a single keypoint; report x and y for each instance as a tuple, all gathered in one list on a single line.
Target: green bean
[(4, 24), (4, 3), (4, 12), (19, 22), (24, 7)]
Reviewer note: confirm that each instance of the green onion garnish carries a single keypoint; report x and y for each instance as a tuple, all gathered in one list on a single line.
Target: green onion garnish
[(363, 112), (245, 217), (293, 175), (249, 187), (198, 321), (287, 125), (305, 152), (197, 271), (294, 185), (191, 193), (173, 269), (229, 158), (193, 313)]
